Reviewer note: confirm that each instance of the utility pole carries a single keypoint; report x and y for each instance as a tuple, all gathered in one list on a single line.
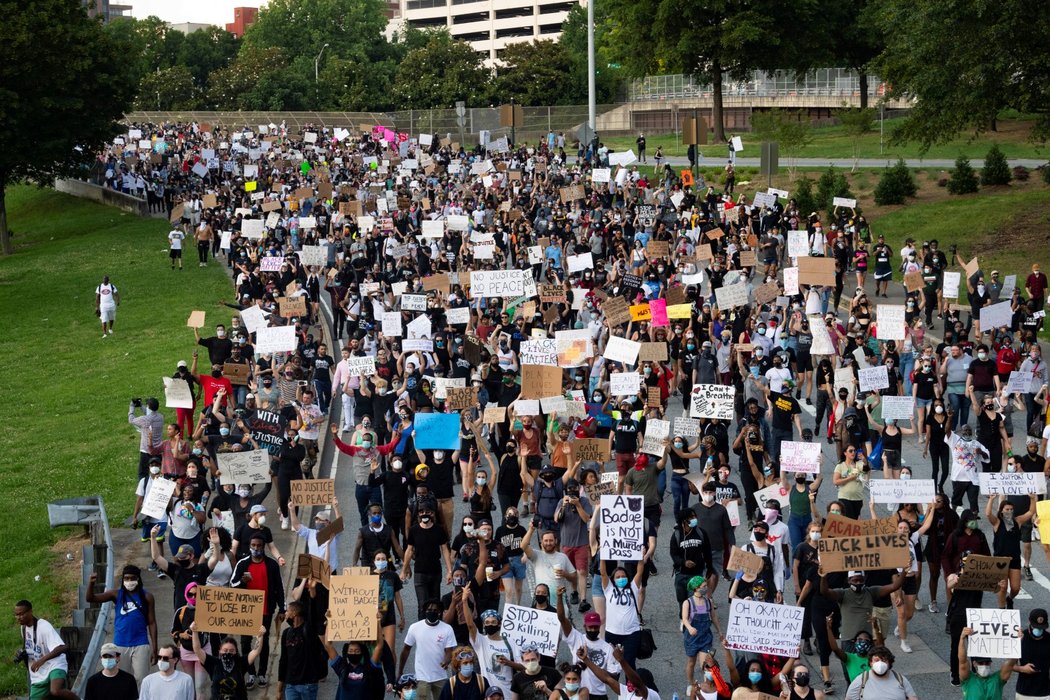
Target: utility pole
[(591, 93)]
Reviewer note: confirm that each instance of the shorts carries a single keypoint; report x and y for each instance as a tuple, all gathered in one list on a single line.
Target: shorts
[(716, 562), (804, 362), (107, 315), (1015, 562), (516, 570), (41, 690), (579, 556), (175, 253), (882, 615), (893, 458), (596, 587), (911, 585), (1026, 532), (624, 462), (923, 403), (533, 463)]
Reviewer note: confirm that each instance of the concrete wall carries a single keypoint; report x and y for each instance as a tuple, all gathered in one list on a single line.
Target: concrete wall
[(104, 195)]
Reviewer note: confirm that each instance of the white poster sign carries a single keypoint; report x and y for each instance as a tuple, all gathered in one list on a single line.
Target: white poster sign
[(622, 528), (522, 625), (252, 467), (155, 504), (764, 628), (361, 366), (656, 432), (874, 378), (996, 633), (622, 350), (921, 491), (890, 321), (624, 383), (499, 283), (731, 295), (712, 401), (1013, 484), (996, 315), (542, 352), (279, 339), (801, 457), (900, 408)]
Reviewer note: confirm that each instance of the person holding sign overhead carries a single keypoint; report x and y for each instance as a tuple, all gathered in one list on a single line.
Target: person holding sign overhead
[(360, 675), (228, 668), (980, 680)]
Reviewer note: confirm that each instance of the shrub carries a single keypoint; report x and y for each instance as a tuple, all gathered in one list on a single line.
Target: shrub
[(803, 195), (1046, 173), (996, 170), (832, 183), (963, 179), (1020, 173), (895, 185)]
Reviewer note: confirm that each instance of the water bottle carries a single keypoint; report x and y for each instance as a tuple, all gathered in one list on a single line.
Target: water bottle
[(675, 696)]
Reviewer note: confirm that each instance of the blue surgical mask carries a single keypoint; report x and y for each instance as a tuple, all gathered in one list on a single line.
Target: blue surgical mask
[(375, 519), (408, 694), (572, 687), (380, 564), (708, 676), (620, 581), (754, 676), (197, 451), (1037, 632), (109, 664), (694, 522), (224, 431)]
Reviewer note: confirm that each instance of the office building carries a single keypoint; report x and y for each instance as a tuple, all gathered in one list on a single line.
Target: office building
[(243, 17), (106, 10)]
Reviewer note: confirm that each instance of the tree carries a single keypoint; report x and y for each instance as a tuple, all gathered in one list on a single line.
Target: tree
[(439, 74), (608, 78), (532, 72), (732, 37), (963, 179), (996, 170), (64, 87), (895, 185), (238, 85), (168, 89), (790, 130), (207, 50), (856, 123), (832, 183), (964, 61), (803, 196), (854, 38)]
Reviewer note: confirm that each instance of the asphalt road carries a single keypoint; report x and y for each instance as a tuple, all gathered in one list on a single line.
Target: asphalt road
[(720, 160), (926, 666)]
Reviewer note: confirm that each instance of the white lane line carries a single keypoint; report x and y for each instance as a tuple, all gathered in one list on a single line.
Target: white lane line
[(1037, 577)]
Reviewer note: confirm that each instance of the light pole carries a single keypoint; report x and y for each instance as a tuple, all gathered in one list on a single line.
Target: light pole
[(591, 110), (317, 61)]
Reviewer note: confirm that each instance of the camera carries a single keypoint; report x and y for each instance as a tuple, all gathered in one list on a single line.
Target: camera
[(21, 657), (137, 403), (953, 248), (536, 521)]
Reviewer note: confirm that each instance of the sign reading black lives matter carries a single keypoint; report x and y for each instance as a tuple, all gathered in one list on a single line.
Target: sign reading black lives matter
[(622, 529)]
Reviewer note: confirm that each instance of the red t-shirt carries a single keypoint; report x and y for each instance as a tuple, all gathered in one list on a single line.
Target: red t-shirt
[(259, 581), (212, 385)]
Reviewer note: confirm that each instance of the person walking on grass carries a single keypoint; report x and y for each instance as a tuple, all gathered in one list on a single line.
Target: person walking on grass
[(107, 299)]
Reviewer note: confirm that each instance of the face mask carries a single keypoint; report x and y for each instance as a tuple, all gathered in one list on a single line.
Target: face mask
[(532, 667), (227, 657), (861, 646), (481, 481), (197, 451), (597, 398), (256, 553), (802, 680), (438, 455), (355, 659), (424, 518), (490, 630), (760, 536), (814, 536), (221, 334), (244, 493), (621, 582), (432, 616), (375, 518), (592, 635), (367, 445), (938, 410), (973, 524), (905, 477), (690, 346), (754, 676), (409, 694), (984, 670), (800, 479), (466, 670), (224, 431), (540, 599), (163, 665), (880, 668), (459, 582), (381, 564), (154, 470), (1037, 632), (109, 664)]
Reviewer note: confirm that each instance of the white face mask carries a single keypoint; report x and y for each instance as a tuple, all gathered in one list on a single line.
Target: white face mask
[(131, 585), (154, 470), (814, 536), (709, 498), (984, 670), (939, 409), (880, 668), (261, 520), (163, 665)]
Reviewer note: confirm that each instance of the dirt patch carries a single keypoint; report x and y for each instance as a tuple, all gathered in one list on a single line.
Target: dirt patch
[(67, 556), (1027, 231)]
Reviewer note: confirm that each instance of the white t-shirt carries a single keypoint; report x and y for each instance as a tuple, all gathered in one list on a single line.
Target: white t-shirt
[(107, 296), (628, 695), (966, 458), (487, 651), (430, 644), (40, 638), (600, 652), (177, 686), (175, 239), (621, 609), (543, 568)]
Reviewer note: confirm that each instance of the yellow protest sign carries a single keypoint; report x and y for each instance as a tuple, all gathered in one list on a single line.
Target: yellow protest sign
[(641, 312), (250, 186), (680, 311), (1042, 509)]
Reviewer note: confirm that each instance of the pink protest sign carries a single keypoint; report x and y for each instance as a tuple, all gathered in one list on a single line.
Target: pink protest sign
[(658, 309)]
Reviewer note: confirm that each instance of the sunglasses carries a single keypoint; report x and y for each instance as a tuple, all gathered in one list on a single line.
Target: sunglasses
[(165, 658)]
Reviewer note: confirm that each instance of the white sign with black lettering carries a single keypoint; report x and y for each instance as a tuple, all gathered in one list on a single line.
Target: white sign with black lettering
[(1013, 484), (251, 467), (712, 401), (898, 407), (764, 628), (622, 528), (155, 504), (874, 378), (656, 432), (996, 633), (523, 625), (920, 491), (799, 457), (542, 352), (624, 383)]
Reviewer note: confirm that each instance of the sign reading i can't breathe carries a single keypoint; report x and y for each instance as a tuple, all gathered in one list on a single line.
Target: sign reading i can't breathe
[(622, 528)]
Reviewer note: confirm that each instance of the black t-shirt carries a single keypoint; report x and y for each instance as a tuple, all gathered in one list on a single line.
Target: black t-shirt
[(219, 349), (510, 538), (726, 492), (227, 685), (246, 532), (784, 407), (625, 436), (322, 367), (925, 381), (120, 687), (525, 685), (426, 543), (440, 479)]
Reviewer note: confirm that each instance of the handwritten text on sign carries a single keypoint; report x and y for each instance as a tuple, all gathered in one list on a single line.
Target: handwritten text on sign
[(765, 628), (996, 633), (251, 467), (229, 610), (712, 401), (622, 531), (313, 492), (901, 491), (352, 605), (523, 625), (801, 457), (1016, 484), (865, 552)]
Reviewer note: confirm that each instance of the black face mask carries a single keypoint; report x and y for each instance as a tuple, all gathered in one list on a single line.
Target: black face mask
[(355, 659), (490, 629), (592, 635), (800, 479), (540, 600), (512, 520), (432, 616), (760, 536)]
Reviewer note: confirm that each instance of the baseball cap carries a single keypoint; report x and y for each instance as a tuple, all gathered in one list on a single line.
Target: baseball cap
[(856, 573), (325, 515), (1037, 618), (592, 619), (185, 552), (493, 692), (109, 649), (258, 508), (182, 363)]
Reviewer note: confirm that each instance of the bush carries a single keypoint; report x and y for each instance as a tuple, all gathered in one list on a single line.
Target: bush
[(996, 170), (1020, 173), (803, 195), (963, 179), (831, 184), (1046, 173), (895, 185)]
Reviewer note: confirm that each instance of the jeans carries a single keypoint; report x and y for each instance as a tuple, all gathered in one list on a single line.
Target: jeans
[(778, 437), (679, 493), (797, 526), (365, 495), (428, 587), (324, 394), (821, 406), (629, 643), (307, 691), (907, 365), (965, 488), (960, 403)]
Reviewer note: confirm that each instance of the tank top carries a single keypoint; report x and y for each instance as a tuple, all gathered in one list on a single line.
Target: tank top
[(799, 502), (1006, 543), (222, 573), (892, 442), (129, 621)]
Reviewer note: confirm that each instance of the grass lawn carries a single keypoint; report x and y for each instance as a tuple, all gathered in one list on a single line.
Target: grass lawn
[(832, 142), (69, 389)]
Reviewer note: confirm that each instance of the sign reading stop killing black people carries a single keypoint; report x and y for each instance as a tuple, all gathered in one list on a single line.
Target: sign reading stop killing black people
[(622, 528)]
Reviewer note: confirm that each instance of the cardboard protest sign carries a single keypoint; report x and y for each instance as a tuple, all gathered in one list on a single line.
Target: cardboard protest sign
[(1013, 484), (538, 381), (800, 457), (653, 352), (864, 552), (841, 526), (606, 486), (920, 491), (996, 633), (522, 625), (353, 602), (461, 398), (591, 449), (622, 532), (313, 567), (177, 393), (686, 427), (616, 310), (196, 320), (656, 432), (230, 611), (313, 492), (495, 414), (293, 306), (983, 573), (764, 628), (712, 401), (913, 280), (437, 431), (816, 271), (329, 531), (653, 398), (748, 562), (251, 467), (155, 504)]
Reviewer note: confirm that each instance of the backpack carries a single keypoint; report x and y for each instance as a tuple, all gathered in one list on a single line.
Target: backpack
[(864, 681), (767, 561), (548, 498)]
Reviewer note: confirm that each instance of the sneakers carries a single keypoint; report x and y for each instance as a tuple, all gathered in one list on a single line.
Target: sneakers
[(261, 681), (932, 607), (584, 606), (1027, 573), (284, 523), (905, 647), (152, 566), (897, 631), (955, 682), (575, 599), (829, 688), (807, 648), (250, 682)]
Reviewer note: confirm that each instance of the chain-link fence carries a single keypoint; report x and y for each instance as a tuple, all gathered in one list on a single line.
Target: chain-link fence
[(823, 82)]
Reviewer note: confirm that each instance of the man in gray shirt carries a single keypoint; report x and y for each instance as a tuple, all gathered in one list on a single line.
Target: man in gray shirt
[(151, 431), (956, 369), (574, 514)]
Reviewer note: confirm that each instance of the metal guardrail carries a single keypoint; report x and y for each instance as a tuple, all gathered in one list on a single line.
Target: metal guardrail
[(84, 638)]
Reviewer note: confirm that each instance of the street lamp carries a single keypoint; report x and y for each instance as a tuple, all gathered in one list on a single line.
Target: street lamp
[(317, 61)]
